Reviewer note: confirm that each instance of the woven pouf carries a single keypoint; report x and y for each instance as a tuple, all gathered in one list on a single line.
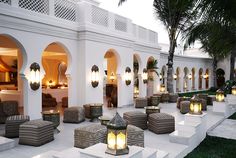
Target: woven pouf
[(36, 132), (155, 100), (89, 135), (165, 97), (74, 115), (184, 107), (204, 104), (13, 123), (141, 102), (210, 100), (87, 111), (135, 136), (161, 123), (136, 118), (181, 99), (173, 98)]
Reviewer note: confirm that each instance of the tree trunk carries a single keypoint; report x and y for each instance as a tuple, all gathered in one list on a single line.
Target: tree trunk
[(170, 86), (214, 64), (232, 62)]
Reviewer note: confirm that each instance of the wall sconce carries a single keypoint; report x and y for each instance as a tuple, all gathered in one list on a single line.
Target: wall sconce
[(233, 91), (190, 76), (220, 96), (161, 76), (34, 76), (112, 77), (95, 76), (145, 76), (205, 76), (117, 136), (162, 88), (175, 77), (128, 76), (195, 105)]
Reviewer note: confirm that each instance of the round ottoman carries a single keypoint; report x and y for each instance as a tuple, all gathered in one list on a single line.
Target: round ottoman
[(182, 99), (136, 118), (184, 107), (161, 123)]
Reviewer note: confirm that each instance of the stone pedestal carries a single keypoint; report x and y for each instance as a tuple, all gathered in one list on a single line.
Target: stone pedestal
[(6, 144), (221, 107)]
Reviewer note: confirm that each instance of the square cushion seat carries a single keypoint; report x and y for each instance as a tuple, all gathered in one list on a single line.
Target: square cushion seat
[(74, 115), (173, 98), (161, 123), (13, 123), (184, 107), (141, 102), (36, 132), (136, 118), (89, 135), (135, 136)]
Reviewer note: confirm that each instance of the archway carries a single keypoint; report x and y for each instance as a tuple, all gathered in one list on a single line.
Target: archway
[(206, 76), (200, 73), (193, 78), (55, 83), (178, 89), (136, 65), (111, 78), (12, 63), (185, 79), (220, 77)]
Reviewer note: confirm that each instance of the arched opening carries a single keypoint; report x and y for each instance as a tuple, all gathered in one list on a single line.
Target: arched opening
[(111, 78), (136, 65), (220, 77), (178, 89), (206, 76), (193, 78), (152, 75), (200, 75), (55, 82), (186, 78), (12, 62)]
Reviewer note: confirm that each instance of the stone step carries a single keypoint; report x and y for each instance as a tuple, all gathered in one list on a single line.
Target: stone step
[(68, 153), (188, 126), (183, 137), (149, 153), (48, 154), (162, 154), (6, 144)]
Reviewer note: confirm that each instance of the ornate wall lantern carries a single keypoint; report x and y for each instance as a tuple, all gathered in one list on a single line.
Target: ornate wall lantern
[(190, 76), (112, 77), (233, 91), (195, 105), (220, 96), (145, 76), (175, 77), (128, 76), (95, 76), (117, 136), (161, 76), (205, 76), (34, 76), (162, 88)]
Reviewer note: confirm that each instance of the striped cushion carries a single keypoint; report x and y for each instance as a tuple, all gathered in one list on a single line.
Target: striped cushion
[(136, 118), (135, 136)]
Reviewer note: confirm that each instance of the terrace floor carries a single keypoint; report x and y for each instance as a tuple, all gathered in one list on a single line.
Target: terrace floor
[(65, 139)]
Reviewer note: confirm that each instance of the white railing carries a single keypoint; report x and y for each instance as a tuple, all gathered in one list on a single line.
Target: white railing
[(86, 13)]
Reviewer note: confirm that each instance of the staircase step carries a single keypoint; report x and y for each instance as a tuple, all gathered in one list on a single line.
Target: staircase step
[(188, 126), (6, 144), (48, 154), (162, 154), (183, 137), (70, 152), (149, 153)]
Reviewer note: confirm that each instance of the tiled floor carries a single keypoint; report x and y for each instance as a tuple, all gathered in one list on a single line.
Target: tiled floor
[(64, 139)]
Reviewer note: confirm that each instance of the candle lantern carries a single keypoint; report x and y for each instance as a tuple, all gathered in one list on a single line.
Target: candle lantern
[(234, 90), (117, 136), (94, 76), (162, 88), (34, 76), (220, 95), (195, 106), (128, 76)]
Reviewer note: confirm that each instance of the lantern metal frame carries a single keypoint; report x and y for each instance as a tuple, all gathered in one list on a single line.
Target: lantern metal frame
[(220, 95), (145, 76), (195, 102), (233, 90), (127, 78), (95, 82), (115, 127), (34, 85)]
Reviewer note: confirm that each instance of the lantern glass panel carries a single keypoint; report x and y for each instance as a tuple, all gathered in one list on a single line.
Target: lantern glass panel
[(121, 140), (111, 139), (234, 90)]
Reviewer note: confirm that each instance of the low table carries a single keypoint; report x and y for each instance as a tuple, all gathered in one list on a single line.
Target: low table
[(104, 120), (52, 116), (152, 109), (95, 111)]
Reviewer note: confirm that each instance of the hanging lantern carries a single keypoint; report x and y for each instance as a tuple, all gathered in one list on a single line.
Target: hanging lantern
[(34, 76), (95, 76), (162, 88), (117, 136), (145, 76), (175, 77), (128, 76), (195, 106), (234, 90), (220, 95)]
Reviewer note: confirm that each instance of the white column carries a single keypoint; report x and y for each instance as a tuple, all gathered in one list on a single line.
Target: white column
[(142, 87)]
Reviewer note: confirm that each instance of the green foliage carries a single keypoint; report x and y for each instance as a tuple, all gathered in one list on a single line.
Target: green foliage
[(214, 147), (228, 86), (233, 117), (191, 94), (152, 67)]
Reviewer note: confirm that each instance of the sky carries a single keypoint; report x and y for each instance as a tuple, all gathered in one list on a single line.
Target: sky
[(141, 12)]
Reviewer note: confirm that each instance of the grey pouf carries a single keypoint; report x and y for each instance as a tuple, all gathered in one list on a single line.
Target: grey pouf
[(161, 123), (173, 98), (74, 115), (36, 132), (184, 107), (165, 97), (141, 102), (13, 123), (89, 135), (136, 118), (135, 136)]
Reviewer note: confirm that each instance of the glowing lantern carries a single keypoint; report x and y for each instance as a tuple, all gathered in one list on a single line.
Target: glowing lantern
[(145, 75), (195, 106), (220, 95), (162, 88), (234, 90), (94, 76), (175, 77), (117, 136), (112, 77), (34, 76), (128, 76)]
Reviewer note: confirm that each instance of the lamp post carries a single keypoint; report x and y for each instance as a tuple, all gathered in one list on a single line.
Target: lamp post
[(117, 136), (145, 76), (34, 76), (220, 95), (94, 76), (127, 76), (195, 105)]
